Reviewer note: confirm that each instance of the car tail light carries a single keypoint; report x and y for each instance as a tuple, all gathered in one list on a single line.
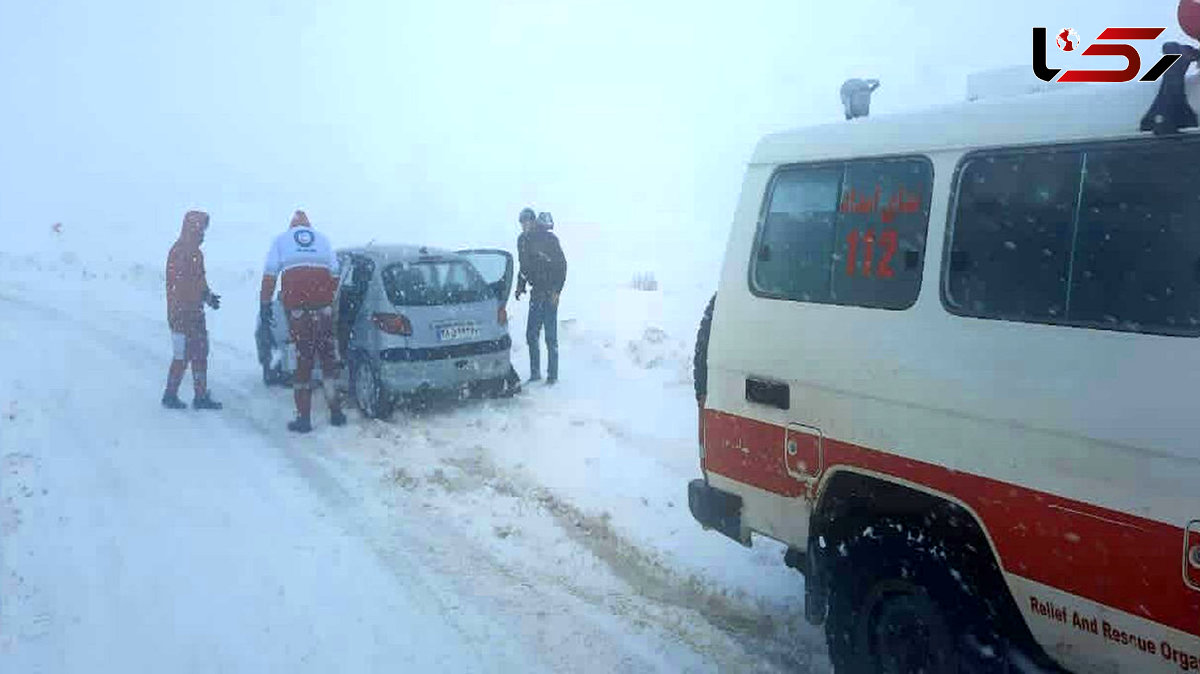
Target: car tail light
[(502, 315), (393, 324)]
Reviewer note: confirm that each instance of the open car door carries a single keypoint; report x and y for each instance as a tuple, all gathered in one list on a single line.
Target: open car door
[(496, 268)]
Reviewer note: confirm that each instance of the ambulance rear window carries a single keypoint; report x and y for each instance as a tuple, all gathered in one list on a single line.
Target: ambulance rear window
[(1103, 236), (845, 233)]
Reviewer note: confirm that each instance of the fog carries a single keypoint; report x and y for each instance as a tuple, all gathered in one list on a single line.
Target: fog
[(437, 122)]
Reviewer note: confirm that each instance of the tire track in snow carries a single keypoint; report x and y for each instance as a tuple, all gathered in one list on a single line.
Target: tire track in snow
[(448, 572), (764, 645), (139, 360)]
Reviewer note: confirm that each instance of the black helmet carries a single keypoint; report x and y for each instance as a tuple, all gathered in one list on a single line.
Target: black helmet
[(527, 215)]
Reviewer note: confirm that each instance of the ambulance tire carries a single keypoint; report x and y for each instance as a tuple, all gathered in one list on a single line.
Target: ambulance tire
[(895, 607), (700, 357)]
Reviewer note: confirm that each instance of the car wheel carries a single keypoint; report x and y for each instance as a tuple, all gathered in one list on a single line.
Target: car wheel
[(273, 376), (369, 394), (509, 385), (895, 608)]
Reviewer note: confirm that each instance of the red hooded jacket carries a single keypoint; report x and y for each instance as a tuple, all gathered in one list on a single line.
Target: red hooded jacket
[(187, 286)]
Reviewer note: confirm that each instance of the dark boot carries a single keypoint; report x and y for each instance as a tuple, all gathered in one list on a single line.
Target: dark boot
[(171, 401), (337, 418), (205, 402), (300, 425)]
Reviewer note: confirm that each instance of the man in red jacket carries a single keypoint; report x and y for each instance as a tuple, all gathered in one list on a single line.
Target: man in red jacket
[(187, 293), (303, 261)]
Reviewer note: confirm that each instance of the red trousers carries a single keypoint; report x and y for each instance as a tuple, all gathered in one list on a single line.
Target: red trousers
[(189, 344), (312, 332)]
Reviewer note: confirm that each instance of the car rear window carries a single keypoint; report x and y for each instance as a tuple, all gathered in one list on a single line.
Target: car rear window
[(1100, 236), (433, 283)]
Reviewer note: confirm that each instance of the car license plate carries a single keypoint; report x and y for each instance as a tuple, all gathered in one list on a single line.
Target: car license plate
[(449, 333)]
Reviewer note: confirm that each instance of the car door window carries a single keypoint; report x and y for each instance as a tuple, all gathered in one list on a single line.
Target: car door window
[(496, 268), (356, 279)]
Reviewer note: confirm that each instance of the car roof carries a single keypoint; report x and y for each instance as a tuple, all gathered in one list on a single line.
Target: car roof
[(398, 252), (1071, 113)]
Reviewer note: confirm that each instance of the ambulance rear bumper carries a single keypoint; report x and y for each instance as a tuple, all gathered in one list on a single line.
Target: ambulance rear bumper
[(716, 509)]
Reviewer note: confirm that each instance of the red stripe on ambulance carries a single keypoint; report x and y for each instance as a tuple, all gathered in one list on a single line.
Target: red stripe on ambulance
[(1128, 563)]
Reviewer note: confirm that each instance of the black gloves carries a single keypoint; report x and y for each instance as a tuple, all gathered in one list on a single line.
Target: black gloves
[(266, 315), (212, 299)]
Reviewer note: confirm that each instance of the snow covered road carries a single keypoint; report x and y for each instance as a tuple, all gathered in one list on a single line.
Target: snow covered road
[(153, 542), (137, 539)]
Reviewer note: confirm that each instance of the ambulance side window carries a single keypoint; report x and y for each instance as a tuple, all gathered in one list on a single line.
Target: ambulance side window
[(883, 214), (795, 239), (849, 233), (1010, 246), (1137, 251), (1099, 236)]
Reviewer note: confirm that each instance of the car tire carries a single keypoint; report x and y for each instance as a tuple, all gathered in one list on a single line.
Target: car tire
[(506, 388), (895, 607), (369, 394), (273, 376)]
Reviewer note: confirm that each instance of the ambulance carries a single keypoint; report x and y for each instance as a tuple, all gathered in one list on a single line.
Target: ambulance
[(954, 365)]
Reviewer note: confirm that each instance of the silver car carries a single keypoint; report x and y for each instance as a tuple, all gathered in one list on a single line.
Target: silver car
[(412, 321)]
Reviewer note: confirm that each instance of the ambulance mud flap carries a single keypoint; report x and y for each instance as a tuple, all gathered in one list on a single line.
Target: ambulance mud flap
[(716, 509)]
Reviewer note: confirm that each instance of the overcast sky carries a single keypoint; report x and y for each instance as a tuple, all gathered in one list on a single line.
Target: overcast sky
[(435, 122)]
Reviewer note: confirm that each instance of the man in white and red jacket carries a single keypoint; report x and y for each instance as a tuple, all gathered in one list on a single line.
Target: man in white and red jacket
[(303, 263)]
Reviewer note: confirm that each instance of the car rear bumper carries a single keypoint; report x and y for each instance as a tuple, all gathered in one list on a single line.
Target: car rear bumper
[(405, 377), (716, 509), (450, 352)]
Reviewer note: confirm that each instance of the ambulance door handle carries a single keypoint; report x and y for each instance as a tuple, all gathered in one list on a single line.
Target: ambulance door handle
[(772, 393)]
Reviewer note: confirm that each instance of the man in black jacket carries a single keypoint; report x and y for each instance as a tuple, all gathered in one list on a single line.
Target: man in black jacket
[(543, 271)]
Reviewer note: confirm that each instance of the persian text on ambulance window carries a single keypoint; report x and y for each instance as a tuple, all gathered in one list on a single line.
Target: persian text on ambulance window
[(845, 233)]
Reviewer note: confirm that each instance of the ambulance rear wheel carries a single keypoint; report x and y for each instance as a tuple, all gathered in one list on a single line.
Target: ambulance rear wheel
[(894, 610)]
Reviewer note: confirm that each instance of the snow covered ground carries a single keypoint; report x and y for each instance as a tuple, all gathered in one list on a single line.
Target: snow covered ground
[(548, 532)]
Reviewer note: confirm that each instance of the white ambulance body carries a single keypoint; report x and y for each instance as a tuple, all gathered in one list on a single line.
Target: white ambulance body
[(976, 326)]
